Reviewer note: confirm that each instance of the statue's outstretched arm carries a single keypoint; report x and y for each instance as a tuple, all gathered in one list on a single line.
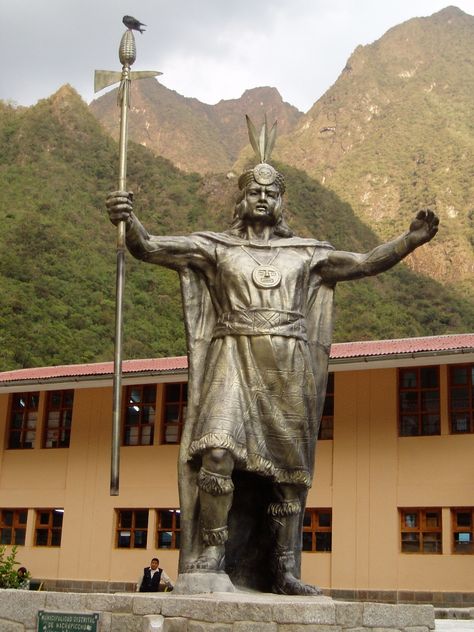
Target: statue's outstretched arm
[(344, 266), (172, 252)]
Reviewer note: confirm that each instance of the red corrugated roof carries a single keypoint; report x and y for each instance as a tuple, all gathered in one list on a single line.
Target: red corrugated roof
[(160, 365), (401, 346), (340, 350)]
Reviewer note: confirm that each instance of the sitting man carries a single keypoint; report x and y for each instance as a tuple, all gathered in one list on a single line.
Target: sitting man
[(154, 578)]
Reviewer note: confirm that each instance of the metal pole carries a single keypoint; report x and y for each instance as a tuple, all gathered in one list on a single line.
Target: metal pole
[(103, 79), (127, 54)]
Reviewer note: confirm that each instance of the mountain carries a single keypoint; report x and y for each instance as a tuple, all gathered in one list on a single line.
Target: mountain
[(195, 136), (395, 134), (57, 247)]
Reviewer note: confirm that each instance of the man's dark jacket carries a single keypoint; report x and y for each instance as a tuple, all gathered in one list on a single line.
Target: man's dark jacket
[(149, 583)]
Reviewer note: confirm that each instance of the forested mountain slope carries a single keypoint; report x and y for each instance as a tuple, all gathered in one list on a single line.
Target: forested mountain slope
[(57, 247), (395, 133)]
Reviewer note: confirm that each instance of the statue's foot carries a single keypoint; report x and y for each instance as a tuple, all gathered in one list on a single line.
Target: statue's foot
[(211, 560), (287, 584)]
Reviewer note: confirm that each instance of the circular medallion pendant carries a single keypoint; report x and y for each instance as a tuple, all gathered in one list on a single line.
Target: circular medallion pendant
[(266, 276)]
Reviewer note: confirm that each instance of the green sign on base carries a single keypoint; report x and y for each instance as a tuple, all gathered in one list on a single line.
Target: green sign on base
[(54, 621)]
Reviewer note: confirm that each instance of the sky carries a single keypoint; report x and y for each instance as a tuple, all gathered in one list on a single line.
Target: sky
[(207, 49)]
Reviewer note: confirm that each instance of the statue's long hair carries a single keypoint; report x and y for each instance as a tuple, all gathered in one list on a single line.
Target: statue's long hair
[(239, 223)]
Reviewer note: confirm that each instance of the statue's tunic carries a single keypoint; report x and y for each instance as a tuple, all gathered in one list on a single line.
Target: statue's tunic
[(258, 360), (258, 396)]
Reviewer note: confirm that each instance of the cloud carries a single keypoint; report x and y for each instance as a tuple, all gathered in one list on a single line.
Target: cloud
[(209, 49)]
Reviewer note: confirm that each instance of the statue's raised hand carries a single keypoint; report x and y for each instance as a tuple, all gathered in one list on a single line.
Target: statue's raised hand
[(423, 228), (119, 206)]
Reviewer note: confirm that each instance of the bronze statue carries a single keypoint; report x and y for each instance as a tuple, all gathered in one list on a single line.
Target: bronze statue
[(258, 311)]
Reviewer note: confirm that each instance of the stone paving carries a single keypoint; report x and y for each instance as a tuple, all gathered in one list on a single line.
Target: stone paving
[(453, 625)]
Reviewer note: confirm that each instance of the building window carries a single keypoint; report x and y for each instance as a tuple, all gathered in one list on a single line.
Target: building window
[(174, 411), (139, 422), (132, 528), (461, 398), (48, 528), (57, 430), (326, 429), (13, 526), (23, 418), (168, 531), (317, 530), (463, 530), (419, 401), (421, 530)]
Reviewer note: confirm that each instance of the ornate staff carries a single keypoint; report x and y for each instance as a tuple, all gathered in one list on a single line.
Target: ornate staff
[(103, 79)]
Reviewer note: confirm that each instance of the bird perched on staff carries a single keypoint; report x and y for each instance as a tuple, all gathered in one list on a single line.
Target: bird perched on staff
[(132, 23)]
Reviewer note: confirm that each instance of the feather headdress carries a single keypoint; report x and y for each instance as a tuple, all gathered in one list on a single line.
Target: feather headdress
[(263, 173)]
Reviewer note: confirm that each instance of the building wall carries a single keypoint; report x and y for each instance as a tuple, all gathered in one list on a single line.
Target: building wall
[(365, 474)]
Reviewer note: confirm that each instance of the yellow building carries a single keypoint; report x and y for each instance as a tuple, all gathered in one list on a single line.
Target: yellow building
[(390, 515)]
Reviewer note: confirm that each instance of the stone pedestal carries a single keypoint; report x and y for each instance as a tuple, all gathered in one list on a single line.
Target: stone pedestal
[(197, 583), (217, 612)]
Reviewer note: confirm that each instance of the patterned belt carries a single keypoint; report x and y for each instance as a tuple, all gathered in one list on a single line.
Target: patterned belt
[(257, 322)]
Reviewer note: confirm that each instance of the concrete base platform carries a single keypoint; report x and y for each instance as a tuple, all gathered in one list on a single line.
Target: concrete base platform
[(217, 612)]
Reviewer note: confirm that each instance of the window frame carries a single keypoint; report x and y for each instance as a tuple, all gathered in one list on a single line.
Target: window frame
[(420, 412), (469, 386), (16, 526), (182, 404), (422, 529), (141, 425), (455, 529), (24, 430), (133, 528), (174, 530), (316, 528), (62, 429), (51, 529)]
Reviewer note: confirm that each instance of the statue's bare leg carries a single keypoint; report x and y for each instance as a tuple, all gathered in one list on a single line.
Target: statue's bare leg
[(215, 498), (285, 520)]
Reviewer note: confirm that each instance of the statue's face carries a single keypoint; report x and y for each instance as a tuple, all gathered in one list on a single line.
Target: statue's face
[(262, 203)]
